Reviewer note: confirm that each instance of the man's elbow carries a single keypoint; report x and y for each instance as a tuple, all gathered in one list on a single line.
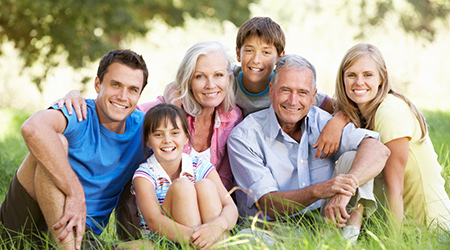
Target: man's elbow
[(377, 148), (29, 128), (383, 151)]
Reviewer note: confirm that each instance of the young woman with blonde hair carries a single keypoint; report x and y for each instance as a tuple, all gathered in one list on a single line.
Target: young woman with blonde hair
[(412, 181)]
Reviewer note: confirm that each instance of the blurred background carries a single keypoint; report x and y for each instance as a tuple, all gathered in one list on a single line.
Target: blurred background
[(50, 47)]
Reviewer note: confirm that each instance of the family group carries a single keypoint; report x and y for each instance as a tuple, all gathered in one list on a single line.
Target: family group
[(166, 167)]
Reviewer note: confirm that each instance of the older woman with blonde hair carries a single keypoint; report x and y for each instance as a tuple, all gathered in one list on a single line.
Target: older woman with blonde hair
[(203, 88), (413, 184)]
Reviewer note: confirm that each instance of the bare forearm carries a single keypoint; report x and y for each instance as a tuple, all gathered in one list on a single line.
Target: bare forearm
[(395, 203), (370, 160), (287, 202), (167, 227), (227, 219), (47, 148)]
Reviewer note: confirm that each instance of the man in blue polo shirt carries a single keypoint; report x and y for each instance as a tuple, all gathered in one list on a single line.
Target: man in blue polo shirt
[(75, 171)]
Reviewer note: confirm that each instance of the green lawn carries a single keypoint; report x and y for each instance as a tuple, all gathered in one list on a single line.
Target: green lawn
[(377, 234)]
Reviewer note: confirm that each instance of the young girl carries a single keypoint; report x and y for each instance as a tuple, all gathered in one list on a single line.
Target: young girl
[(412, 180), (179, 197)]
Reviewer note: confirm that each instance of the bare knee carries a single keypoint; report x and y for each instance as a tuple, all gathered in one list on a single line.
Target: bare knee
[(182, 187), (205, 186)]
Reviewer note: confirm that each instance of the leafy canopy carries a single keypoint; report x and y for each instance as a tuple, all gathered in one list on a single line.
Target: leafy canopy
[(86, 29)]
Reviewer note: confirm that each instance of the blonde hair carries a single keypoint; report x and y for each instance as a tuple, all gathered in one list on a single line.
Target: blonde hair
[(350, 109), (185, 74)]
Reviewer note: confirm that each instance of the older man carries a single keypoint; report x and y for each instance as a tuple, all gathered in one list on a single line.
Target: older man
[(271, 153)]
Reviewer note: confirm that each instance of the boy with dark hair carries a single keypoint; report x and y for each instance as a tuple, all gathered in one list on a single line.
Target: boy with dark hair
[(260, 43)]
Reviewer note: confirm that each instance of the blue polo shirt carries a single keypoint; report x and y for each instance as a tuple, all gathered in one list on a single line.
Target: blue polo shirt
[(104, 161)]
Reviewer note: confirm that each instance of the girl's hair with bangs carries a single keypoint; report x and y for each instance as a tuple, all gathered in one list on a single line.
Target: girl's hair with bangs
[(186, 72), (350, 109), (163, 113)]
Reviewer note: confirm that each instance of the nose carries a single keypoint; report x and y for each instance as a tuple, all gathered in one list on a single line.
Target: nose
[(293, 98), (210, 83), (122, 95), (166, 138), (359, 80), (257, 58)]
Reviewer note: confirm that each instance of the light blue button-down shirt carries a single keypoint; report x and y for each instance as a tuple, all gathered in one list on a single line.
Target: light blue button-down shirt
[(265, 159)]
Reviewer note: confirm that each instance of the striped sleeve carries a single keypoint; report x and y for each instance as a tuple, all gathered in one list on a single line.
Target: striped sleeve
[(144, 171), (202, 168)]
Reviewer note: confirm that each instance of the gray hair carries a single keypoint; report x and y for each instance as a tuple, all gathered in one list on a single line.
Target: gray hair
[(294, 62), (186, 72)]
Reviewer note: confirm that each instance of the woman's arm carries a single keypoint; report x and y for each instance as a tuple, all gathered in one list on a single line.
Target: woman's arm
[(151, 211), (393, 175), (213, 230)]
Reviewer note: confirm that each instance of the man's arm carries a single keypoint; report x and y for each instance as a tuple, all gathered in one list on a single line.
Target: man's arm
[(285, 203), (369, 161), (40, 132)]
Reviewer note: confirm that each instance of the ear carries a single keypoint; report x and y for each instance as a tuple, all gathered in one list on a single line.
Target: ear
[(313, 98), (97, 84), (282, 53), (238, 54), (271, 90)]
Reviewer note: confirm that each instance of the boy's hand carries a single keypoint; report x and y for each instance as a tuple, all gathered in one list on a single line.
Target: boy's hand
[(330, 138)]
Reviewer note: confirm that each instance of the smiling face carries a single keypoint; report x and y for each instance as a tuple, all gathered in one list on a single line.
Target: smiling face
[(167, 143), (257, 60), (362, 81), (118, 95), (292, 96), (210, 81)]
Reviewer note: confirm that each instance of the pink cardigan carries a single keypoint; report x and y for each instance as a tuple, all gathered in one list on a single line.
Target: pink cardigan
[(222, 128)]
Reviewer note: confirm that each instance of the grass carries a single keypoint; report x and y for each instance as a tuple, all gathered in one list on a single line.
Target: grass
[(377, 234)]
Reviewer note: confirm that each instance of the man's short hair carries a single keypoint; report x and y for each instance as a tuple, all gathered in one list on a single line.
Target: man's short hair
[(294, 62), (264, 28), (126, 57)]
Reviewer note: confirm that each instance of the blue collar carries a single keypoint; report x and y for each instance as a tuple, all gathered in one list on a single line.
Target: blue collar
[(250, 94)]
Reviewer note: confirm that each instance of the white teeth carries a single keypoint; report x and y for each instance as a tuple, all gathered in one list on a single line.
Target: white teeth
[(360, 91), (119, 106), (297, 109), (211, 94), (255, 69), (168, 149)]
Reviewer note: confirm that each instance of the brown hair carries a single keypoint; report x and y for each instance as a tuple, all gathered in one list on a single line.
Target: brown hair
[(163, 113), (264, 28), (125, 57)]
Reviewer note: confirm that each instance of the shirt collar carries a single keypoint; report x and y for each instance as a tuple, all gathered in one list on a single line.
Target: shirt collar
[(187, 169), (275, 128)]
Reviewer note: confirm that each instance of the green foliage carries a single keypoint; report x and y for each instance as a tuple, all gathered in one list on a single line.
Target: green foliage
[(419, 17), (85, 30)]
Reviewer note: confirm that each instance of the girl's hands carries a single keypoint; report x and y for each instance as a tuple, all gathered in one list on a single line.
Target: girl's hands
[(206, 235)]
